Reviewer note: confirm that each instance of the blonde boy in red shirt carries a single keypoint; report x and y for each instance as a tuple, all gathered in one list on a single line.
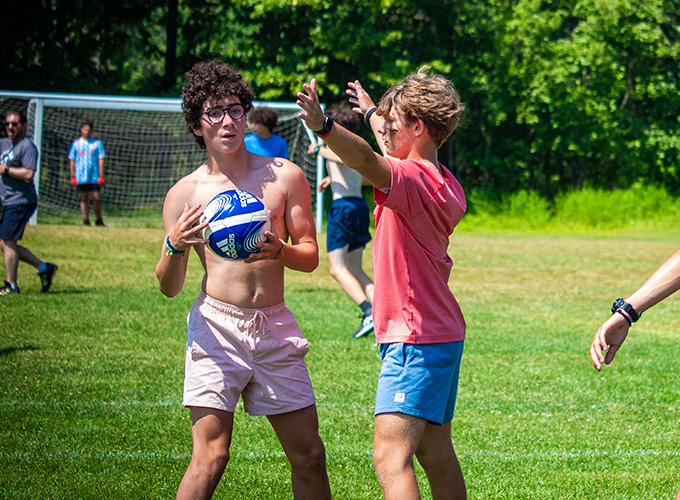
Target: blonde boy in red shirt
[(417, 320)]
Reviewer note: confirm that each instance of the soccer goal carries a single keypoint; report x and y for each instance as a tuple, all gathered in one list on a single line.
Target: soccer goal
[(147, 147)]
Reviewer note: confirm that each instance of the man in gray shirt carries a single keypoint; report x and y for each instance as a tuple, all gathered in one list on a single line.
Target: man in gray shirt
[(18, 162)]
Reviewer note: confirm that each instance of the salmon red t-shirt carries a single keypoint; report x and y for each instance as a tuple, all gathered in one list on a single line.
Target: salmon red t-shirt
[(412, 301)]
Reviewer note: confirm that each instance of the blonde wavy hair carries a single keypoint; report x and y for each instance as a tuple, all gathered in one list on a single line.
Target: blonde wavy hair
[(427, 97)]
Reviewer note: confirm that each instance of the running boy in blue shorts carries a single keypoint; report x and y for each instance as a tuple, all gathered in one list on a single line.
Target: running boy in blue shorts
[(417, 319), (348, 221)]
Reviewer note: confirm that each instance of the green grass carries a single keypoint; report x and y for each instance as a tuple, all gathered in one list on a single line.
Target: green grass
[(91, 374)]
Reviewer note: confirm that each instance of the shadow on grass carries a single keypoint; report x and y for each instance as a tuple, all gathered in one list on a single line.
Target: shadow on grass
[(11, 350)]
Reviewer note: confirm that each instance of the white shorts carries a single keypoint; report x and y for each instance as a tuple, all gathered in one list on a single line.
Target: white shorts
[(256, 353)]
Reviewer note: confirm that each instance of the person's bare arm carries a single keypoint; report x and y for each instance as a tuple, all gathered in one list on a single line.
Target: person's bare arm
[(352, 150), (325, 152), (363, 104), (612, 333), (182, 227), (100, 179), (20, 173)]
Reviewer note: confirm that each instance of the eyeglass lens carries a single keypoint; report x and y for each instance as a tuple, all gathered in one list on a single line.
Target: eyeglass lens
[(12, 124), (216, 115)]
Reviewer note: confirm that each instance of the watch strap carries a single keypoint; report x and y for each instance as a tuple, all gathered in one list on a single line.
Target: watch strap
[(620, 304), (327, 127)]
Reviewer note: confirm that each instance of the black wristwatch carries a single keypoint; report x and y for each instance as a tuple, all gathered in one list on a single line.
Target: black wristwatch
[(622, 304), (6, 172), (327, 127)]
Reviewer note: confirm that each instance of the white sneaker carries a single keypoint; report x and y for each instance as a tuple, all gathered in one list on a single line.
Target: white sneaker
[(365, 328)]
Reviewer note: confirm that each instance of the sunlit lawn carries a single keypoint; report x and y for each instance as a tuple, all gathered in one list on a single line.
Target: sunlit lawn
[(91, 374)]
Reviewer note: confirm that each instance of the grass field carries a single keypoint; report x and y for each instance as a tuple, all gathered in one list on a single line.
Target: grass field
[(91, 374)]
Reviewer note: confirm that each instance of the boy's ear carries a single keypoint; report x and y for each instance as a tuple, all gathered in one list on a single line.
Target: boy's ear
[(419, 127), (198, 131)]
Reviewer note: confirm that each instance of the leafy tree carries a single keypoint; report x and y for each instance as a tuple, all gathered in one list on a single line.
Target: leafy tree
[(559, 94), (76, 45)]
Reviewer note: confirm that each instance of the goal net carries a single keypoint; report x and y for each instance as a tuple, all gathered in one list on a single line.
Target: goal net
[(147, 148)]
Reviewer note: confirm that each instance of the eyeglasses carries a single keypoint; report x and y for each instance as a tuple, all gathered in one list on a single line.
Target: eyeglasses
[(11, 124), (216, 115)]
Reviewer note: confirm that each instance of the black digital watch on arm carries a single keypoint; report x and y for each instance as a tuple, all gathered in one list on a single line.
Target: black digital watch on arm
[(327, 127), (627, 308)]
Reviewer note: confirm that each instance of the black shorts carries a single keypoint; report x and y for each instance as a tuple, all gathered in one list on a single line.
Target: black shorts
[(86, 188), (14, 220)]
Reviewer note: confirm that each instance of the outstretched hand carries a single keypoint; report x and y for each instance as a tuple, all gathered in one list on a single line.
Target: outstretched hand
[(308, 100), (188, 230), (359, 97), (608, 340)]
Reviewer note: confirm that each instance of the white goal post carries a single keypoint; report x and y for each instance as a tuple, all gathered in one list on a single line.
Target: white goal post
[(147, 147)]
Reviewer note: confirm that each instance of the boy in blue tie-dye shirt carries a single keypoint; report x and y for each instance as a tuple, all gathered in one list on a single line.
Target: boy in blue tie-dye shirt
[(86, 161)]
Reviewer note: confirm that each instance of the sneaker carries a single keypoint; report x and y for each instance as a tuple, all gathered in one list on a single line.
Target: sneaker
[(47, 275), (365, 328), (99, 222), (7, 289), (86, 222)]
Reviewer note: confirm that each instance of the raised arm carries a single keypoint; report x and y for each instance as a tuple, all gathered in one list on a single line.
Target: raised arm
[(183, 230), (364, 104), (354, 151), (325, 152), (612, 333)]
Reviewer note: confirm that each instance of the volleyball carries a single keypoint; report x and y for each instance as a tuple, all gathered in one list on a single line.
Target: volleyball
[(237, 221)]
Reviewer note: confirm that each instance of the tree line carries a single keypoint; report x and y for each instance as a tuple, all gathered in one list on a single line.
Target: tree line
[(558, 94)]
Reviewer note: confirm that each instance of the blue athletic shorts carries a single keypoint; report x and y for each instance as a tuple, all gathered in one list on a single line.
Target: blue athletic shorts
[(14, 220), (419, 380), (348, 221)]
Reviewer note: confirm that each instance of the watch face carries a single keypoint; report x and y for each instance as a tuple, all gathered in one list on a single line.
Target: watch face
[(618, 304)]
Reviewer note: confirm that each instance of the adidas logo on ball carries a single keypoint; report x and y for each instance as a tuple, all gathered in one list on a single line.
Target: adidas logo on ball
[(237, 221)]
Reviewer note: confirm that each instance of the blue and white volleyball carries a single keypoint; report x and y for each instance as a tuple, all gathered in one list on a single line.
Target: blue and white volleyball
[(237, 221)]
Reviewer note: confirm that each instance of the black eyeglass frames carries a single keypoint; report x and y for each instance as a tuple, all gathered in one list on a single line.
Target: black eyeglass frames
[(216, 115)]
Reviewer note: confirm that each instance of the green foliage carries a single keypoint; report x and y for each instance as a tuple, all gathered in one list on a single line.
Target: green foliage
[(583, 209), (559, 95), (78, 46), (597, 208), (576, 93)]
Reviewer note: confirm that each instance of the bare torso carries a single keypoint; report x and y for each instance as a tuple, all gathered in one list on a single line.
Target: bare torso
[(344, 181), (248, 285)]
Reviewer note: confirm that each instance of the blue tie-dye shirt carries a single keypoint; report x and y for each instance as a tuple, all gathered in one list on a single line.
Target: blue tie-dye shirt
[(86, 155)]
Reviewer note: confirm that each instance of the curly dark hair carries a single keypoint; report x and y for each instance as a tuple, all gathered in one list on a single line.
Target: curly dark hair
[(264, 116), (211, 81), (344, 115)]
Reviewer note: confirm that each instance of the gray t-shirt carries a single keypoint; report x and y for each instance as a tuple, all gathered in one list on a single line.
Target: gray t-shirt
[(20, 154)]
